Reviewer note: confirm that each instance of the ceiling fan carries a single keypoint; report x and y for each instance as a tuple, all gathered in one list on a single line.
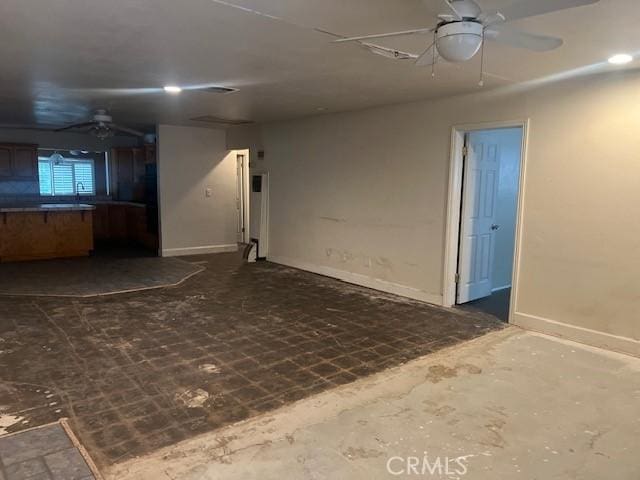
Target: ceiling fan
[(461, 32), (102, 126)]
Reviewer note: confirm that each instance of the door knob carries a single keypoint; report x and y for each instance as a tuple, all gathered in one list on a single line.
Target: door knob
[(495, 227)]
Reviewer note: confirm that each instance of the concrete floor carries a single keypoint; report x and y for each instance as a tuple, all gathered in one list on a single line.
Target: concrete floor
[(509, 405)]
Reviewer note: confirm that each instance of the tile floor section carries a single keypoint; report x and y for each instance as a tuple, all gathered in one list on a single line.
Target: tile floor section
[(44, 453), (99, 275), (136, 372)]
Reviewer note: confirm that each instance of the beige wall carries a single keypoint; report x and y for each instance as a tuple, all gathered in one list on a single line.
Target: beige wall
[(191, 160), (362, 196)]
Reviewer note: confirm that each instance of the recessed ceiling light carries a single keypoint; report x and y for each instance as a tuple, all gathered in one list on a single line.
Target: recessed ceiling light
[(620, 59), (172, 89)]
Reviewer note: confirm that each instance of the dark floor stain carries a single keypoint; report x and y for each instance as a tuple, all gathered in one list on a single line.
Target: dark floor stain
[(437, 373), (140, 371)]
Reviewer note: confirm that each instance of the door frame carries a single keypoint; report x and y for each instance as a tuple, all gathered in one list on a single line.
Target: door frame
[(243, 194), (264, 214), (454, 206)]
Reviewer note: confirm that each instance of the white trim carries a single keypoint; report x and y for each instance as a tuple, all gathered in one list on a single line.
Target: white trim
[(264, 222), (498, 289), (242, 167), (458, 133), (246, 191), (587, 336), (179, 252), (362, 280)]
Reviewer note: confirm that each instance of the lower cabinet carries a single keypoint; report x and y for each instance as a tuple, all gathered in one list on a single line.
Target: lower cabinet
[(123, 223)]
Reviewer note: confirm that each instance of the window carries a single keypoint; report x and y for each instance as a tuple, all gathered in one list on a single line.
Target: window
[(67, 177)]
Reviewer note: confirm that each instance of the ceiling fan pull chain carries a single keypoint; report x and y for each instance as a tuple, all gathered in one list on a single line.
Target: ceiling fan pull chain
[(433, 63), (481, 82)]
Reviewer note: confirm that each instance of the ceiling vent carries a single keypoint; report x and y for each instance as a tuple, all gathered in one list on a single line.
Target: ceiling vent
[(222, 90), (220, 121)]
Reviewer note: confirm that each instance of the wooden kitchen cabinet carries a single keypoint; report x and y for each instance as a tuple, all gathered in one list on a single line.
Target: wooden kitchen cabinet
[(123, 223), (129, 172), (101, 222), (5, 161), (18, 162), (41, 233), (25, 162)]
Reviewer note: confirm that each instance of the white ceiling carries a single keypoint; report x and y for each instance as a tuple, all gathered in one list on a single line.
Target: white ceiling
[(63, 58)]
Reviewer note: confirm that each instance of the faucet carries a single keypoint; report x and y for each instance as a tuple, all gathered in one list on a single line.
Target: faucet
[(78, 185)]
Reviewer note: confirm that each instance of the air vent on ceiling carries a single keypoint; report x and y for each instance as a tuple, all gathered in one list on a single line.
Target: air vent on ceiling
[(222, 90), (220, 121)]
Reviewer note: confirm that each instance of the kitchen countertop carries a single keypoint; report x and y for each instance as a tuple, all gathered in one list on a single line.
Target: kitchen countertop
[(48, 207), (116, 202)]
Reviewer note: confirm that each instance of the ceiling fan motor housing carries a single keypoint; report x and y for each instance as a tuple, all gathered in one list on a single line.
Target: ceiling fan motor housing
[(102, 116), (459, 41)]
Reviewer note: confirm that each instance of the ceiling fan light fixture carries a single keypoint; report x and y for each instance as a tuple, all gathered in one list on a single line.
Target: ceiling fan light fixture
[(101, 131), (173, 89), (620, 59), (56, 158), (459, 41)]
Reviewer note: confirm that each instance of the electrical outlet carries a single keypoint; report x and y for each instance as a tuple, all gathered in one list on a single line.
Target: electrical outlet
[(207, 192)]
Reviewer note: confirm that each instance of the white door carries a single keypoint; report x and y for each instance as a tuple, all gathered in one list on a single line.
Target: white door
[(477, 224), (259, 212)]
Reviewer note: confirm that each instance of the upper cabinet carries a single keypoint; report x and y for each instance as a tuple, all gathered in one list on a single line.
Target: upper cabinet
[(18, 162), (129, 172), (5, 161)]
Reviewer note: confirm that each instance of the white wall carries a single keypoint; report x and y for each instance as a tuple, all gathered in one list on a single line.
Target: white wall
[(191, 160), (509, 141), (362, 196)]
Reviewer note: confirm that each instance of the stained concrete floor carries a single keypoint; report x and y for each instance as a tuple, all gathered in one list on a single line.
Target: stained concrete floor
[(140, 371), (98, 275), (509, 405)]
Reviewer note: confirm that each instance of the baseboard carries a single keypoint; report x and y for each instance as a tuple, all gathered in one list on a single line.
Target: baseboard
[(361, 280), (498, 289), (587, 336), (180, 252)]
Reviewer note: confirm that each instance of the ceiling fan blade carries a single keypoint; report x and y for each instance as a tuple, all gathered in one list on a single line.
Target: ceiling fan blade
[(519, 39), (274, 17), (426, 59), (76, 125), (129, 131), (384, 35), (388, 52), (456, 13), (532, 8)]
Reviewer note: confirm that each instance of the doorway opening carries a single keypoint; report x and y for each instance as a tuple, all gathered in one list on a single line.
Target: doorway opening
[(484, 218)]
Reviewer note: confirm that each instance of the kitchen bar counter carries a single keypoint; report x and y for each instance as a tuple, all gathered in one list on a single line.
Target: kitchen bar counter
[(47, 207), (43, 231)]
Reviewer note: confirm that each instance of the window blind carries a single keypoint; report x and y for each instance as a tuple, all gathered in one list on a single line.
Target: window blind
[(66, 178)]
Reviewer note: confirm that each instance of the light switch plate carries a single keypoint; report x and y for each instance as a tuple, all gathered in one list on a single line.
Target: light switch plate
[(208, 192)]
